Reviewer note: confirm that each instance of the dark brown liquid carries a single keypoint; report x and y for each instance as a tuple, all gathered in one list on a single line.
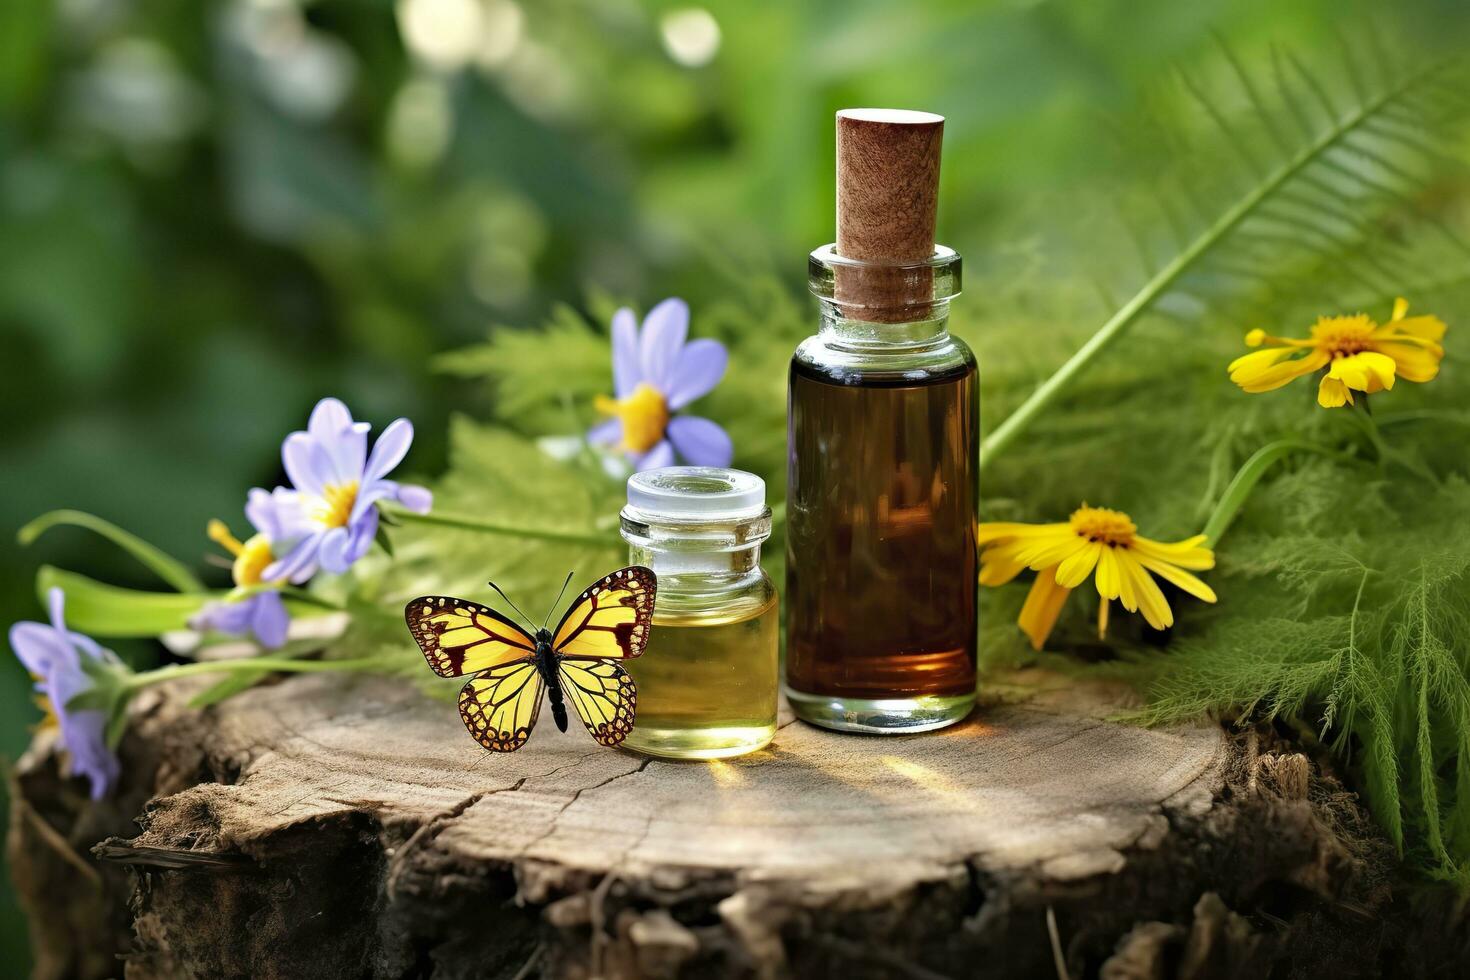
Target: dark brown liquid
[(880, 555)]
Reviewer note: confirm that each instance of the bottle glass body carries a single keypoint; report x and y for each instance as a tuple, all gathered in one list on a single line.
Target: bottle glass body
[(708, 681), (881, 507)]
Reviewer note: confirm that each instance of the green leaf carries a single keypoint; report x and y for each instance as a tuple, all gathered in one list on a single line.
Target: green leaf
[(98, 609), (166, 567), (1250, 474)]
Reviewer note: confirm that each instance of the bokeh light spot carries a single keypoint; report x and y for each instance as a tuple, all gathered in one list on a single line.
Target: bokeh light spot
[(444, 34), (691, 36)]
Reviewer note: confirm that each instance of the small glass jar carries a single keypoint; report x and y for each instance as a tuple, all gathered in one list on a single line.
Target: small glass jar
[(708, 680)]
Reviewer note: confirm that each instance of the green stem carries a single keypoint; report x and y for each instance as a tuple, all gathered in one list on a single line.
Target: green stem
[(256, 664), (1053, 387), (165, 566), (1249, 474), (488, 527), (1362, 413)]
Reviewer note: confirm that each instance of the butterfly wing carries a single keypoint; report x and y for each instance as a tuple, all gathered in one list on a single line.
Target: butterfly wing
[(500, 706), (460, 637), (603, 695), (611, 619)]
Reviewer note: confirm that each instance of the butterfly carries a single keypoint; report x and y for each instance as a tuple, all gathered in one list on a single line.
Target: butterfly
[(576, 662)]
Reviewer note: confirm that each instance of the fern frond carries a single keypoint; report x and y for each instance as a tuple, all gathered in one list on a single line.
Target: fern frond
[(1295, 248)]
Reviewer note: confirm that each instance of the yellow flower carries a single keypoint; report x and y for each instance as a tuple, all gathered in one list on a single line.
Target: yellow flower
[(1063, 555), (1357, 354), (251, 558)]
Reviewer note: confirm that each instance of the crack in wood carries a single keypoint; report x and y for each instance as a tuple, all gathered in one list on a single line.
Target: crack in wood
[(576, 795)]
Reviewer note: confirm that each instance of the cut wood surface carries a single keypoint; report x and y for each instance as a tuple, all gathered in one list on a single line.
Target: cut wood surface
[(319, 828)]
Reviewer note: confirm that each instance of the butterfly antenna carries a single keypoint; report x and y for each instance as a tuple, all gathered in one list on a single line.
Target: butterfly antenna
[(558, 599), (512, 604)]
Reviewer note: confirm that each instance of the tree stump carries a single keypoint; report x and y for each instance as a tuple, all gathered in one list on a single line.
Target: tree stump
[(321, 827)]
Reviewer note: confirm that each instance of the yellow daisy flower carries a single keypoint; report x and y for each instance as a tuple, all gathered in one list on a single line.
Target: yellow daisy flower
[(1357, 353), (1063, 555)]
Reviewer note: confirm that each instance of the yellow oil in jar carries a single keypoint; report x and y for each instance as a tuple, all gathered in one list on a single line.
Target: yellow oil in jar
[(707, 682)]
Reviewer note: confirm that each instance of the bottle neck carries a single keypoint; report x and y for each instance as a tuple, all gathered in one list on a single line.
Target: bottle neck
[(875, 308), (696, 556), (929, 328)]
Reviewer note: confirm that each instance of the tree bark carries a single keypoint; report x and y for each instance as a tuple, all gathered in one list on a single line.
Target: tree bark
[(321, 827)]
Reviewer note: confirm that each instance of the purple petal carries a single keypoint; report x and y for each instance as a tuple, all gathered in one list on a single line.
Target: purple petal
[(367, 498), (664, 330), (278, 515), (362, 532), (299, 563), (343, 441), (333, 551), (660, 455), (388, 451), (292, 515), (348, 451), (269, 621), (225, 617), (417, 499), (260, 511), (84, 735), (91, 647), (700, 367), (41, 649), (606, 433), (700, 441), (56, 606), (626, 371), (307, 464), (328, 418)]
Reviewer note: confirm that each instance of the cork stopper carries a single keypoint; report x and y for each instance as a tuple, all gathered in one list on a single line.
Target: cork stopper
[(887, 195)]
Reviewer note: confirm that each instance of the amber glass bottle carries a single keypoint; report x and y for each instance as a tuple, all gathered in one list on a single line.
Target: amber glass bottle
[(881, 506)]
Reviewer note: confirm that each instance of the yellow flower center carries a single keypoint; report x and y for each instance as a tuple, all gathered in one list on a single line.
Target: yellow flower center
[(1342, 336), (1111, 527), (252, 561), (251, 558), (337, 501), (645, 416)]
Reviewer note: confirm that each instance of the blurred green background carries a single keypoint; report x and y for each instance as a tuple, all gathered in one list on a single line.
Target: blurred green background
[(213, 214)]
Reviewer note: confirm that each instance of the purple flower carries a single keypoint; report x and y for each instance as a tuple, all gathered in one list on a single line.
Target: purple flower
[(262, 613), (58, 659), (655, 374), (337, 486), (278, 523)]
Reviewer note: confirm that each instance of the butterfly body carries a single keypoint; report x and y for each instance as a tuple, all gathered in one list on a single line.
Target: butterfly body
[(546, 667), (509, 667)]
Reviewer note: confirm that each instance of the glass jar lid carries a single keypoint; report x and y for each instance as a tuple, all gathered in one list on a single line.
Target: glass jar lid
[(697, 493)]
